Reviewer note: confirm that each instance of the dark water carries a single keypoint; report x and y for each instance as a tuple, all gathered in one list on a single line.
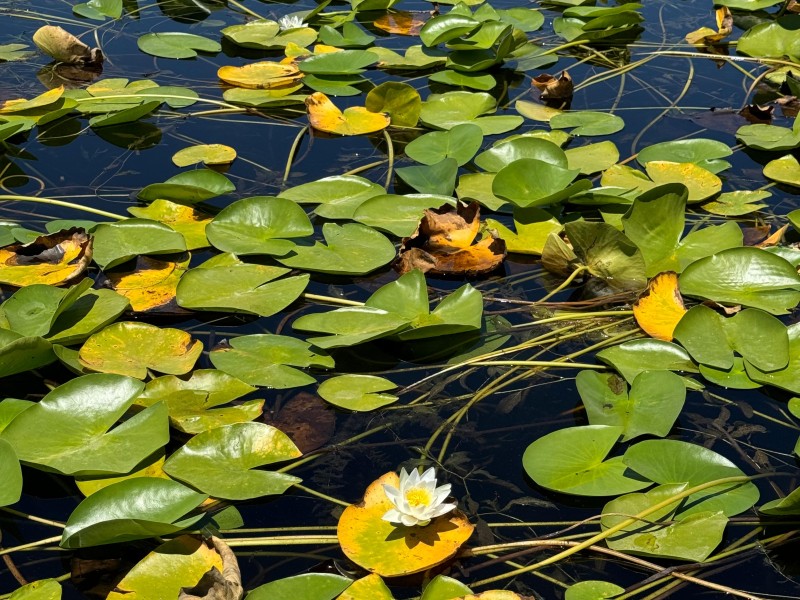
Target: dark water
[(484, 459)]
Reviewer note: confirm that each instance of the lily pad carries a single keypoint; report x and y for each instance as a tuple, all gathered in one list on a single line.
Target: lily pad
[(505, 152), (176, 44), (350, 249), (636, 356), (445, 111), (529, 182), (677, 462), (208, 154), (338, 196), (587, 122), (398, 100), (358, 393), (436, 179), (399, 215), (226, 284), (116, 243), (592, 590), (132, 509), (189, 187), (189, 222), (738, 203), (532, 228), (69, 430), (572, 461), (773, 39), (705, 153), (53, 259), (259, 225), (221, 462), (747, 276), (392, 550), (460, 143), (269, 360), (132, 349), (787, 378), (11, 474), (309, 586), (784, 170), (592, 158), (652, 406), (44, 589)]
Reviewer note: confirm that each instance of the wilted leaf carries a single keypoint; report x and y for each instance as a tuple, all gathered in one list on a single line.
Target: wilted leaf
[(307, 420), (402, 22), (706, 35), (53, 259), (151, 285), (64, 47), (445, 243), (554, 88), (216, 585)]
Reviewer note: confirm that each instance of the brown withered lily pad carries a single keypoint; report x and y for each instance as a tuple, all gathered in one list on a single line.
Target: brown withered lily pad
[(307, 419), (450, 241), (554, 88), (53, 259), (402, 22)]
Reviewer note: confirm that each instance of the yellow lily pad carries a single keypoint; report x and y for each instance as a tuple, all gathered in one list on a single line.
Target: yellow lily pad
[(208, 154), (42, 100), (53, 259), (151, 285), (391, 550), (356, 120), (660, 306), (174, 565), (370, 587), (260, 75), (131, 349), (702, 183), (186, 220)]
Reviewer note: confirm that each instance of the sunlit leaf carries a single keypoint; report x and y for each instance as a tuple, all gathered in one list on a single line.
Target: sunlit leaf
[(53, 259), (44, 589), (189, 222), (592, 590), (10, 474), (784, 170), (176, 44), (129, 348), (151, 284), (309, 586), (633, 357), (391, 550), (222, 461), (261, 75), (116, 243), (660, 307), (398, 100), (208, 154), (460, 143), (356, 120), (338, 196)]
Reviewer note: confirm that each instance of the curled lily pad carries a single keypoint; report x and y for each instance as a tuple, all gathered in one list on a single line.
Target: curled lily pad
[(355, 120), (132, 509), (391, 550), (69, 430), (259, 225), (532, 227), (64, 47), (129, 348), (189, 187), (222, 461), (573, 461), (269, 360), (53, 259), (659, 309)]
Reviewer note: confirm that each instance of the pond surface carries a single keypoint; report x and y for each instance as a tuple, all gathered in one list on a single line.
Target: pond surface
[(663, 88)]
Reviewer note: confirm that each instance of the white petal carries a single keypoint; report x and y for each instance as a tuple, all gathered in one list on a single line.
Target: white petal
[(393, 516), (408, 520), (442, 509), (403, 478), (430, 475), (392, 493)]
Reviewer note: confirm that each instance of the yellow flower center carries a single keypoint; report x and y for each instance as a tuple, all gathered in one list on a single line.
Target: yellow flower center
[(418, 497)]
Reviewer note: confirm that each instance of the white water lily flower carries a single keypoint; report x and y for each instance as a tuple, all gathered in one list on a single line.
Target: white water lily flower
[(417, 500), (290, 22)]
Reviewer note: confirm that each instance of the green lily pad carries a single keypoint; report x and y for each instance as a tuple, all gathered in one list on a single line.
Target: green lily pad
[(351, 325), (132, 349), (712, 339), (116, 243), (460, 143), (309, 586), (360, 393), (587, 122), (636, 356), (259, 225), (703, 152), (132, 509), (399, 100), (442, 587), (439, 178), (68, 430), (10, 408), (11, 474), (398, 215), (19, 353), (536, 112), (445, 111), (784, 170), (769, 137), (221, 462), (12, 52), (701, 183), (415, 58), (482, 82), (31, 311), (44, 589), (529, 182), (99, 9), (747, 276), (532, 228), (351, 36), (189, 222), (444, 28), (664, 534), (788, 506), (592, 158), (572, 461), (267, 35), (89, 313), (735, 378), (738, 203), (346, 62), (350, 249), (226, 284), (677, 462), (338, 197), (478, 187), (189, 187), (592, 590), (773, 39), (269, 360), (505, 152), (176, 45), (655, 400), (787, 378)]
